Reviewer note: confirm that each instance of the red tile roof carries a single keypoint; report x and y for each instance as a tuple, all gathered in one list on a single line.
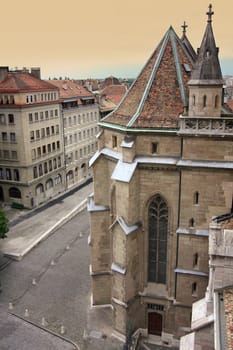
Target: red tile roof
[(230, 104), (160, 92), (23, 82), (106, 105), (70, 89), (115, 93), (110, 81)]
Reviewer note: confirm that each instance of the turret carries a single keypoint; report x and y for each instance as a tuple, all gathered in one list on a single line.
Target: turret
[(206, 83)]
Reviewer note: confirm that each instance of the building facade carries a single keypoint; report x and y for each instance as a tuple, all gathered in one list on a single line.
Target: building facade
[(162, 170), (32, 157), (80, 115), (211, 326)]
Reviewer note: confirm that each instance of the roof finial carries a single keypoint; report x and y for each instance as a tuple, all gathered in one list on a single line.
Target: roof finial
[(184, 26), (210, 13)]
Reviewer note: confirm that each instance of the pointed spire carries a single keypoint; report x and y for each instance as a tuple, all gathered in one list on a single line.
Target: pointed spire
[(187, 44), (207, 66)]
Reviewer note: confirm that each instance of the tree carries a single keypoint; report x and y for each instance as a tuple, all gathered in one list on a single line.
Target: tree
[(3, 224)]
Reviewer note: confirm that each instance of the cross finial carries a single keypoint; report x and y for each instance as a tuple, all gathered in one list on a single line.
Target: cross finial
[(210, 14), (184, 26)]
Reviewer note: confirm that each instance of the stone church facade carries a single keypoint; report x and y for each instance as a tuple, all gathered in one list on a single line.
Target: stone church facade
[(163, 169)]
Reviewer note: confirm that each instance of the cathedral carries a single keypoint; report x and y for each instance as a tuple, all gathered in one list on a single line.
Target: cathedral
[(162, 171)]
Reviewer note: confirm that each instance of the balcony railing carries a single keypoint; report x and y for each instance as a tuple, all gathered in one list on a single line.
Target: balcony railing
[(206, 126)]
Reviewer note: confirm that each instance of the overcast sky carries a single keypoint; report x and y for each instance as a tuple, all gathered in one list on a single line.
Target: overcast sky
[(98, 38)]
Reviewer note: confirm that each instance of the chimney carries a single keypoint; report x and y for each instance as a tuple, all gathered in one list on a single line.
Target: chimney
[(3, 72), (35, 71)]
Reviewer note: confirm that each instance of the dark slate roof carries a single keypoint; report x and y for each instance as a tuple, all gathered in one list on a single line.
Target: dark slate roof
[(160, 92), (189, 47), (207, 67)]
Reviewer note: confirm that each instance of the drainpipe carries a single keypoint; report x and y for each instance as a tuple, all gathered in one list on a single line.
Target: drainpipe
[(178, 219)]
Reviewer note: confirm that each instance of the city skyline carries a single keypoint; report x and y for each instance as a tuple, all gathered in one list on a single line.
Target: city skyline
[(98, 39)]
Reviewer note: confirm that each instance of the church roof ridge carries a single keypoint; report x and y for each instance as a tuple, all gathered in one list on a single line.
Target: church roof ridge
[(152, 76), (129, 111)]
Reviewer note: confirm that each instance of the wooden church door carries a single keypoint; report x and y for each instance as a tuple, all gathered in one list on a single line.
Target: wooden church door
[(154, 323)]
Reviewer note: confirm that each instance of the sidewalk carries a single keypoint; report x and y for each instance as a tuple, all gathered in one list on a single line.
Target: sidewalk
[(34, 226), (18, 333)]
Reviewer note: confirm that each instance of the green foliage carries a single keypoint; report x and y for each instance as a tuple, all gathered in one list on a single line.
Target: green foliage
[(3, 224)]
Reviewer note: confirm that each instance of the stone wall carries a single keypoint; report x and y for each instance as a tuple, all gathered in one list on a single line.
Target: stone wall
[(184, 292), (212, 197), (203, 148), (191, 245)]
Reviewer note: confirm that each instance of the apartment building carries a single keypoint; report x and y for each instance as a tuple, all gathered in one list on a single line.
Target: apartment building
[(31, 151), (80, 114)]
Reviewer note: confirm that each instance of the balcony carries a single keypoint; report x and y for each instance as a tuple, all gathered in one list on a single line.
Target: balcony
[(205, 126)]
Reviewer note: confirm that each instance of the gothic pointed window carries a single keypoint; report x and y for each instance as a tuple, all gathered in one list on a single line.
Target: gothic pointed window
[(158, 230)]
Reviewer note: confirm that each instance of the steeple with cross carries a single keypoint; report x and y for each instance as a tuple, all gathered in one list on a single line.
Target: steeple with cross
[(184, 26), (210, 13), (186, 42), (206, 74)]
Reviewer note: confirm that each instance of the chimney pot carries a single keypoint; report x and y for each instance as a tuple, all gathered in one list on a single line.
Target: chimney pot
[(3, 72), (35, 71)]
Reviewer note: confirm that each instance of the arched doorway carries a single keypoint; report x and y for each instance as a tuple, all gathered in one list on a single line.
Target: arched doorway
[(39, 189), (39, 192), (70, 178), (49, 184), (14, 192), (83, 170), (70, 175), (155, 323)]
